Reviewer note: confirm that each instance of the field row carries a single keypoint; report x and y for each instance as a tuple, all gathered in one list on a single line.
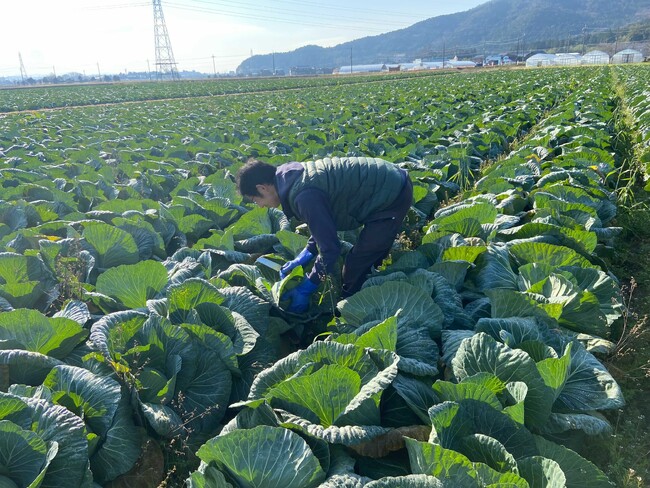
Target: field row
[(58, 96)]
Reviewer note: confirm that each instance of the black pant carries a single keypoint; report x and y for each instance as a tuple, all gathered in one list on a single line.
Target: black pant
[(375, 240)]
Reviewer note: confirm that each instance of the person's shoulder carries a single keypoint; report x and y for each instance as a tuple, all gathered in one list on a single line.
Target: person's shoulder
[(309, 193)]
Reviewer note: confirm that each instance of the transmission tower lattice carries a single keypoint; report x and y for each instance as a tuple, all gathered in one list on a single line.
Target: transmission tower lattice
[(165, 64), (23, 72)]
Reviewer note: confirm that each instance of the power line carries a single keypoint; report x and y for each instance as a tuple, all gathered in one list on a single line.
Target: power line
[(287, 8), (289, 15), (321, 6), (116, 6), (300, 20), (203, 58)]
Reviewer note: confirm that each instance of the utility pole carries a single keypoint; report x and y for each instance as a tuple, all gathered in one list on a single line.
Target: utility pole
[(23, 72), (443, 53), (214, 68), (517, 54), (273, 72), (99, 73), (148, 69), (584, 39), (350, 59), (165, 63)]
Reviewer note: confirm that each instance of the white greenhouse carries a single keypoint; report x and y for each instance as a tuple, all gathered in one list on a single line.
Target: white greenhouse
[(567, 59), (460, 64), (410, 66), (627, 56), (362, 68), (595, 57), (539, 60)]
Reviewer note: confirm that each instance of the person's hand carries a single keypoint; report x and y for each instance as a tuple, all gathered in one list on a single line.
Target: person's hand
[(300, 296), (301, 259)]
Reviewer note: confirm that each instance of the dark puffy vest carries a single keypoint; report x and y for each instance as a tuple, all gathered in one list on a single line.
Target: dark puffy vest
[(356, 187)]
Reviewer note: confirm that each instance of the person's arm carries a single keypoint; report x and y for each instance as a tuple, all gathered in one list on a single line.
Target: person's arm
[(313, 207), (311, 246)]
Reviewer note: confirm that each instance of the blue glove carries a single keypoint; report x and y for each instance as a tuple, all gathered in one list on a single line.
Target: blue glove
[(300, 296), (301, 259)]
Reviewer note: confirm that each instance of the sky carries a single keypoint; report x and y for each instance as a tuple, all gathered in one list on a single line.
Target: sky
[(115, 36)]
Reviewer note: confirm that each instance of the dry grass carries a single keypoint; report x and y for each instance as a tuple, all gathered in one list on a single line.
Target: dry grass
[(625, 456)]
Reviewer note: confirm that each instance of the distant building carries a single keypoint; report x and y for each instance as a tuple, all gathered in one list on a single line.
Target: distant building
[(539, 60), (627, 56), (567, 59), (309, 71), (460, 64), (418, 65), (595, 57), (497, 60), (362, 68), (414, 66)]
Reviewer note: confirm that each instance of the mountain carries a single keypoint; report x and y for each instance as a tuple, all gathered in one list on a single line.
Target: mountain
[(495, 26)]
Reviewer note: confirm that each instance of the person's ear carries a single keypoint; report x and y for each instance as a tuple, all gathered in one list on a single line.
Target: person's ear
[(260, 189)]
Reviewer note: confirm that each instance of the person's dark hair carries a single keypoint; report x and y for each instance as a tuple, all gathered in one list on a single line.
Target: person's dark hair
[(254, 173)]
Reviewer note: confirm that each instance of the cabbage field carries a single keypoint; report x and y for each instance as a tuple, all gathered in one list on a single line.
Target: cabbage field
[(142, 344)]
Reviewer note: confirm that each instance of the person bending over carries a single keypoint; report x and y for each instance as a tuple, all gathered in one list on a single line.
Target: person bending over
[(331, 195)]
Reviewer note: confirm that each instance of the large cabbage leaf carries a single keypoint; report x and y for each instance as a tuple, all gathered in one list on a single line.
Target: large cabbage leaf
[(129, 286), (482, 354), (182, 382), (257, 222), (26, 367), (409, 481), (330, 390), (30, 330), (52, 424), (455, 469), (109, 245), (419, 321), (25, 456), (25, 282), (263, 456), (114, 443), (580, 382), (197, 301)]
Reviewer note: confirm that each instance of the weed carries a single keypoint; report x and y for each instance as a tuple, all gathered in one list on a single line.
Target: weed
[(179, 446), (70, 270), (179, 452), (465, 174), (631, 173), (626, 455), (409, 241)]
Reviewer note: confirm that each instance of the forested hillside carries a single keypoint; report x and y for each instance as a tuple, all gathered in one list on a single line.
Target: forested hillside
[(500, 25)]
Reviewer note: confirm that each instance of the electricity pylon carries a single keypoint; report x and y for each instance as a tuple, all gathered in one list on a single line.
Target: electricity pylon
[(23, 72), (165, 64)]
